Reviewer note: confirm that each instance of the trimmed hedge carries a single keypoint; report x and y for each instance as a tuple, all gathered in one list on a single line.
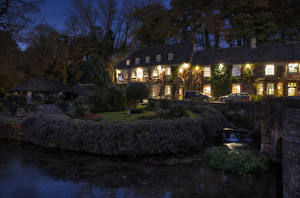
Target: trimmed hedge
[(117, 138)]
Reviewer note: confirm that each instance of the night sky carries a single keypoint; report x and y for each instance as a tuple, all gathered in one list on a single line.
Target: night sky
[(54, 12)]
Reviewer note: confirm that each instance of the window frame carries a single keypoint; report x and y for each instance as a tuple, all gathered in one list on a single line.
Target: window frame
[(206, 72), (137, 61), (235, 72), (268, 71), (268, 90), (147, 59), (158, 58), (127, 61), (297, 68), (171, 56)]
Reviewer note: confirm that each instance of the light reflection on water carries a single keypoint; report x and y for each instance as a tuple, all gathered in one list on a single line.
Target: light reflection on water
[(28, 171)]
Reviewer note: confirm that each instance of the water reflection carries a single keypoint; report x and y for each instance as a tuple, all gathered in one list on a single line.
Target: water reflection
[(29, 171)]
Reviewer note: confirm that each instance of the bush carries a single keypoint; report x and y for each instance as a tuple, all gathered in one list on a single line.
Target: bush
[(1, 106), (240, 162), (116, 98), (115, 138), (176, 111), (78, 109), (107, 99), (135, 93)]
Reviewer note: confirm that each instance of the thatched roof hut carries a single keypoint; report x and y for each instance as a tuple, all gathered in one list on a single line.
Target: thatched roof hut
[(40, 85)]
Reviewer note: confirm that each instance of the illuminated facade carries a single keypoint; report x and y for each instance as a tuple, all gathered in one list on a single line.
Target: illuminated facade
[(170, 70)]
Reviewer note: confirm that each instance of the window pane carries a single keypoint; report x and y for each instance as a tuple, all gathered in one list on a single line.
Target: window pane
[(236, 70), (155, 73), (270, 70), (293, 68), (158, 58), (168, 90), (207, 72), (270, 89), (170, 56), (260, 89), (137, 61), (207, 89), (128, 62), (168, 71), (139, 73), (147, 59), (236, 88)]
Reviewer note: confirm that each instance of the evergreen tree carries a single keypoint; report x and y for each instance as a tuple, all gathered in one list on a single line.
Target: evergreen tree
[(94, 71)]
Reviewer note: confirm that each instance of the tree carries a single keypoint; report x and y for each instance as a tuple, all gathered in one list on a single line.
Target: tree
[(135, 93), (153, 27), (108, 14), (94, 71), (10, 59), (15, 15), (249, 19)]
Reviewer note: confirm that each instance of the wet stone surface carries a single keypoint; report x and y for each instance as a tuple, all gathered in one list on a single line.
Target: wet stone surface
[(30, 171)]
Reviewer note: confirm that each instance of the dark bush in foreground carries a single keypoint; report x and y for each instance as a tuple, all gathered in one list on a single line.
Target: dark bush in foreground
[(116, 138), (234, 161)]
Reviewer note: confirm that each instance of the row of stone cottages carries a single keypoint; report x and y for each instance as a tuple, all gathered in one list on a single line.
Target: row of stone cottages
[(171, 70)]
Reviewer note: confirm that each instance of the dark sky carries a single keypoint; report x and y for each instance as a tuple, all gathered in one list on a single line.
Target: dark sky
[(54, 12)]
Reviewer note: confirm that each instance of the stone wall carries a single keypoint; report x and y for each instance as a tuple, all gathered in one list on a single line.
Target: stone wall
[(281, 133)]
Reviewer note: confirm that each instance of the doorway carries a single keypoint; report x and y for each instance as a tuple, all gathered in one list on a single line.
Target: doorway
[(180, 93)]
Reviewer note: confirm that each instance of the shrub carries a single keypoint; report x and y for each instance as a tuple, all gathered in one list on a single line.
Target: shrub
[(1, 106), (98, 101), (240, 162), (135, 93), (78, 109), (176, 111), (116, 98)]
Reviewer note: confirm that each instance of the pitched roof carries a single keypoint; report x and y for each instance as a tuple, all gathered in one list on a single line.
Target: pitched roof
[(82, 89), (41, 84), (182, 53), (267, 53)]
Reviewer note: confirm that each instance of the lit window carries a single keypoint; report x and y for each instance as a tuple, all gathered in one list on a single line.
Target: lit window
[(236, 70), (280, 89), (270, 89), (139, 73), (260, 89), (158, 58), (145, 73), (147, 59), (292, 89), (121, 77), (236, 88), (170, 56), (207, 89), (137, 61), (155, 73), (128, 62), (133, 74), (168, 90), (270, 70), (293, 68), (207, 72), (168, 71)]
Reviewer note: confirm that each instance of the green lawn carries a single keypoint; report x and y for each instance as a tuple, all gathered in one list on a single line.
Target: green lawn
[(121, 115)]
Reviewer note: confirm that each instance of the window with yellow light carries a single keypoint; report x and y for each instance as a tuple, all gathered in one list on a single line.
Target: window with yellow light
[(207, 89)]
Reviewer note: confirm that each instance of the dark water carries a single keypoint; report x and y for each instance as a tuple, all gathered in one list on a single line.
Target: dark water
[(29, 171)]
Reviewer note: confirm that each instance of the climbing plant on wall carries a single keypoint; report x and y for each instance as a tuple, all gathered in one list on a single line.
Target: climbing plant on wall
[(221, 79)]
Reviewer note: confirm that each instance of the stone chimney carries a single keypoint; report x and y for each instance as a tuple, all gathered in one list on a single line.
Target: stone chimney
[(253, 43)]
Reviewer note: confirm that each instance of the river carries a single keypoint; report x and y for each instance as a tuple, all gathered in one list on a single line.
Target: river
[(34, 172)]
